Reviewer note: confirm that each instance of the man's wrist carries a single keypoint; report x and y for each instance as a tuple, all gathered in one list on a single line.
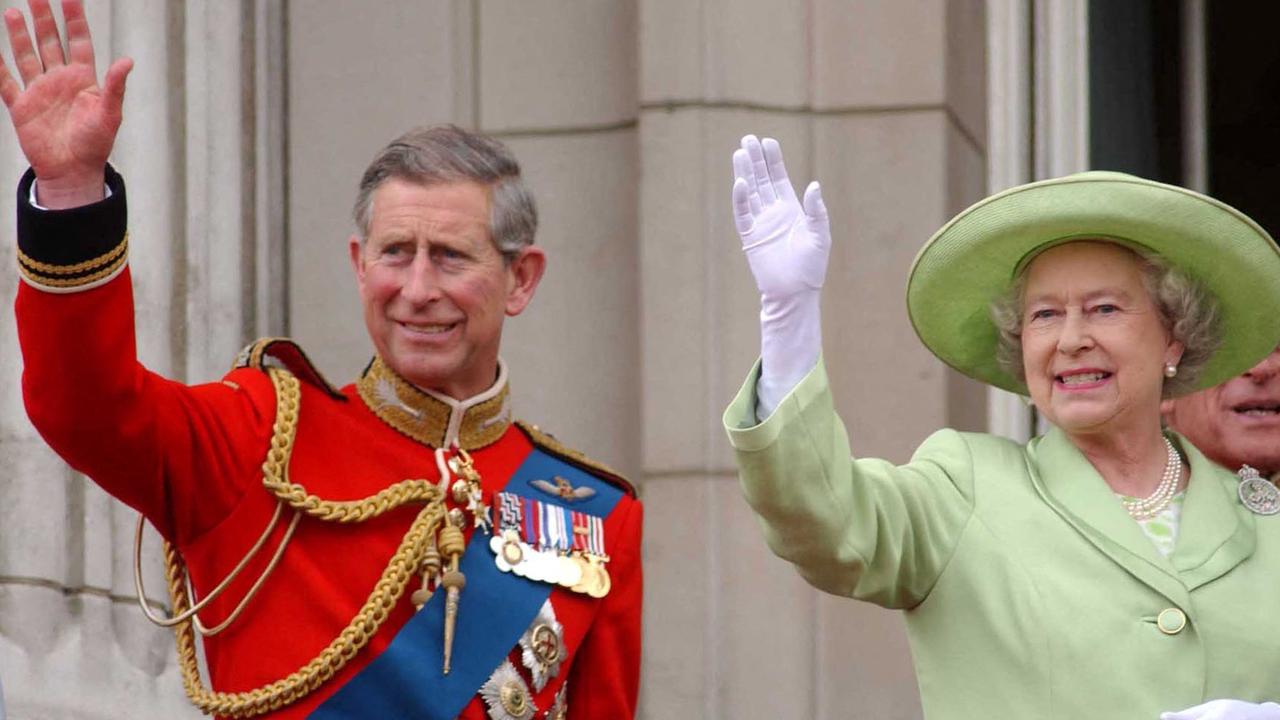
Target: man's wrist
[(72, 249), (73, 192)]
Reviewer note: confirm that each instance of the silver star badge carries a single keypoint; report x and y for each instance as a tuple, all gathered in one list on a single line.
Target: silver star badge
[(542, 646), (506, 694)]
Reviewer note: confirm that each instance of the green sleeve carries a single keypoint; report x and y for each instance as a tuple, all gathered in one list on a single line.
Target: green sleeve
[(863, 528)]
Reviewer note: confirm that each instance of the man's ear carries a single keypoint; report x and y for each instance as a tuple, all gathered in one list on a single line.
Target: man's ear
[(524, 272), (357, 258)]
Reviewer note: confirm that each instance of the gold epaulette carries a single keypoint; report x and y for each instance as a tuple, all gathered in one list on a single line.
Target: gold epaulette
[(545, 441), (287, 354)]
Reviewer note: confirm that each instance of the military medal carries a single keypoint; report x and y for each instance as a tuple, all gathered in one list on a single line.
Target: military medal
[(588, 545), (468, 491), (509, 551), (535, 567), (586, 574), (570, 573), (539, 524), (603, 582), (1257, 493), (550, 543), (542, 647), (558, 543), (512, 553), (506, 694)]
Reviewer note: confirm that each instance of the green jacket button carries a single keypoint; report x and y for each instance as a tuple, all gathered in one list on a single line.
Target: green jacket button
[(1171, 621)]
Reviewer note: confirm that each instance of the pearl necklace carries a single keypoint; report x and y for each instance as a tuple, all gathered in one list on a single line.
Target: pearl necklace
[(1152, 505)]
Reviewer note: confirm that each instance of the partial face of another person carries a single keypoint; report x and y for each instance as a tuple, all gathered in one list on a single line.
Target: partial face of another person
[(1235, 423), (435, 288), (1094, 347)]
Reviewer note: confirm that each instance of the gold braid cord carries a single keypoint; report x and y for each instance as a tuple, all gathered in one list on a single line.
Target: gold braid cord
[(388, 590)]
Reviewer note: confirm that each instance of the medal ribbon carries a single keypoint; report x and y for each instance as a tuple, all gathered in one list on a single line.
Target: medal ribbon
[(529, 531), (544, 526), (553, 531), (597, 536), (507, 512), (580, 538)]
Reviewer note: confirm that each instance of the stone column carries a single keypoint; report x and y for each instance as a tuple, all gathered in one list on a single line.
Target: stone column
[(885, 104), (201, 158)]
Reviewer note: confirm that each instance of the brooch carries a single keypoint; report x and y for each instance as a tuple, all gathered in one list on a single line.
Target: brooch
[(1257, 493)]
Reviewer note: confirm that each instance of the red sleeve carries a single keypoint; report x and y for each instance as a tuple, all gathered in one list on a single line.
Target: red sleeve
[(180, 455), (605, 679)]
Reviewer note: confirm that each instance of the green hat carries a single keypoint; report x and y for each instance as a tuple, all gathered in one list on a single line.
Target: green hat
[(974, 258)]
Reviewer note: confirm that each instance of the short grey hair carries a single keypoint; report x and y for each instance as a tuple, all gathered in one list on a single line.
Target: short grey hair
[(449, 154), (1188, 312)]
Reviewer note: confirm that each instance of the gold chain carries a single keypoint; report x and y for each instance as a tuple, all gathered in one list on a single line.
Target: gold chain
[(386, 593)]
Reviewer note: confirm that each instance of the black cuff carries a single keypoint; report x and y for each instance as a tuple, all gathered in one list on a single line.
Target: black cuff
[(70, 249)]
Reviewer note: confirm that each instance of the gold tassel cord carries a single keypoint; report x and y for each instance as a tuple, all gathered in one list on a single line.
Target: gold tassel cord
[(275, 470), (386, 593)]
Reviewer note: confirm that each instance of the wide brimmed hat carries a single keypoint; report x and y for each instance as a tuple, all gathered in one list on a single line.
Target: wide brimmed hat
[(976, 256)]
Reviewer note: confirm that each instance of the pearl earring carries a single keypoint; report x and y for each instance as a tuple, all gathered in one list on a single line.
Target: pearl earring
[(1170, 370)]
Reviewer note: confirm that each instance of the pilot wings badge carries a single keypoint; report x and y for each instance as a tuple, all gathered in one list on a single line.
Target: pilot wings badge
[(563, 489)]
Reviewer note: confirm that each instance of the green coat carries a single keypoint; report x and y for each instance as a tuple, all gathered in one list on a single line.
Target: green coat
[(1028, 591)]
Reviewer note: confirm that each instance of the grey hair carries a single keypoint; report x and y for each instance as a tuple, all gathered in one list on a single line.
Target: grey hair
[(449, 154), (1188, 312)]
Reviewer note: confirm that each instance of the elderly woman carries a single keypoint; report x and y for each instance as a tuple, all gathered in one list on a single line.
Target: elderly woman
[(1035, 579)]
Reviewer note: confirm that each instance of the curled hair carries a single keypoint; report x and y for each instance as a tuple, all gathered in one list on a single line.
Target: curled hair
[(449, 154), (1186, 310)]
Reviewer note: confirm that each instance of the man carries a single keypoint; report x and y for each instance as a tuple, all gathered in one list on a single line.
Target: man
[(395, 548), (1236, 423)]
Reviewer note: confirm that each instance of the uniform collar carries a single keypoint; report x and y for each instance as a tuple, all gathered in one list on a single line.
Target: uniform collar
[(434, 419)]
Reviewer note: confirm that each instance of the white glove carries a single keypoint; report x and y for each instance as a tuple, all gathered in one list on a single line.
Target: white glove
[(1226, 710), (787, 248)]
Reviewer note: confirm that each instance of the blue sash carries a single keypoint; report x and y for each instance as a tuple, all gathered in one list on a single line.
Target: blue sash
[(495, 609)]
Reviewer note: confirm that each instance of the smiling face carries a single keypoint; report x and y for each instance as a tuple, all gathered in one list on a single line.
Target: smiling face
[(1238, 422), (1093, 345), (435, 289)]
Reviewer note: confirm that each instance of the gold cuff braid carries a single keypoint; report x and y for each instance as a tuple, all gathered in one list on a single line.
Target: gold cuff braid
[(109, 257), (386, 593), (55, 276)]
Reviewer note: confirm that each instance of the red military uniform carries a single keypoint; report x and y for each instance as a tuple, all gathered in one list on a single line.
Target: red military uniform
[(191, 460)]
